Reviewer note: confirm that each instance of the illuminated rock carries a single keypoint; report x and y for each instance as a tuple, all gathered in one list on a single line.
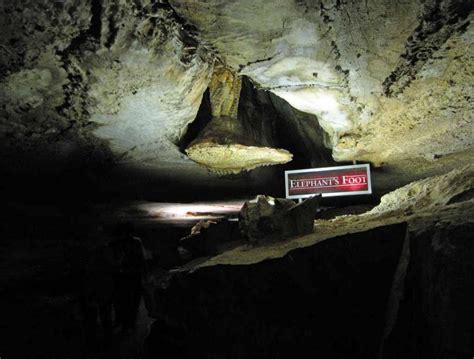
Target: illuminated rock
[(422, 204), (384, 82), (226, 145), (389, 82)]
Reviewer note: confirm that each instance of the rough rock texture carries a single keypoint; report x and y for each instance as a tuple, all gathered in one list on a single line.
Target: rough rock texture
[(226, 145), (267, 121), (442, 198), (430, 117), (265, 218), (375, 73), (99, 82), (388, 292), (435, 297), (392, 282), (87, 85), (119, 81), (147, 81), (299, 132), (42, 115), (131, 96), (224, 89), (313, 301)]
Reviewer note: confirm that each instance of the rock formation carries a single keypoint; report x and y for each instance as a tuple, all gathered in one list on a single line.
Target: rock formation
[(421, 204), (353, 65), (226, 145), (117, 101), (96, 84), (392, 281), (269, 219)]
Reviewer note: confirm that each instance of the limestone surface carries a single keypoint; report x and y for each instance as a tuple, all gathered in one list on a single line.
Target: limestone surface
[(121, 81), (440, 199), (389, 82)]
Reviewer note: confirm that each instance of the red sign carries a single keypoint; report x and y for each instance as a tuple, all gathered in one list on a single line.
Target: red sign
[(329, 181)]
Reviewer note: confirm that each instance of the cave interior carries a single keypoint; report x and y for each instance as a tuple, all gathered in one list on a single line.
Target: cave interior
[(144, 145)]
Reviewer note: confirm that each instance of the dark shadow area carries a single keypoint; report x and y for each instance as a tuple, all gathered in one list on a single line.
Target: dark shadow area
[(435, 314), (95, 182), (57, 296), (328, 300), (203, 117)]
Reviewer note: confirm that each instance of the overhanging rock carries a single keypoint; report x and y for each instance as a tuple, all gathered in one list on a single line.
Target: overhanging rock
[(226, 145)]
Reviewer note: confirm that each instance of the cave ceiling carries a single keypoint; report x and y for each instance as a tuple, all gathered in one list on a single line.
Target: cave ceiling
[(120, 81)]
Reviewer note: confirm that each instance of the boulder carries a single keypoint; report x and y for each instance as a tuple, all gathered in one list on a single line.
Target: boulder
[(271, 218)]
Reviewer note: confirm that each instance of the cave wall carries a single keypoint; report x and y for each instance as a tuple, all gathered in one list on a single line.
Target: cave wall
[(86, 85), (44, 124), (103, 69), (276, 123), (329, 299), (389, 292), (389, 82), (96, 96), (389, 283), (435, 311)]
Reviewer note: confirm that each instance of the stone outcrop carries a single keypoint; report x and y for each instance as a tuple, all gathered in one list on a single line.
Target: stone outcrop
[(389, 82), (402, 271), (226, 145), (224, 88), (426, 195), (421, 204), (434, 296), (266, 218), (96, 94), (392, 291), (314, 300), (89, 85)]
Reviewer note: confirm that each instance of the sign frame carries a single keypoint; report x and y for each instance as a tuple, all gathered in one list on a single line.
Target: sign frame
[(335, 194)]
